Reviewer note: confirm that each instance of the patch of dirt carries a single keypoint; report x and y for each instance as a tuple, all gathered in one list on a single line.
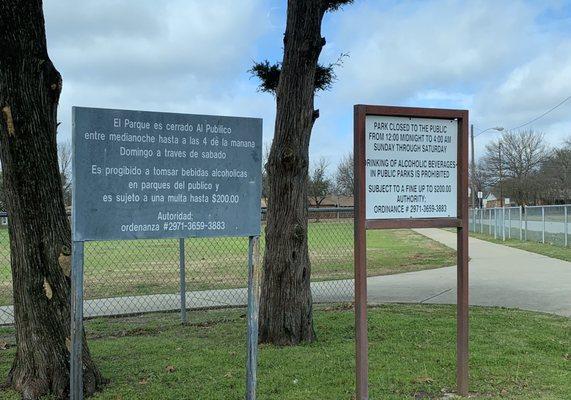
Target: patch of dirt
[(338, 307)]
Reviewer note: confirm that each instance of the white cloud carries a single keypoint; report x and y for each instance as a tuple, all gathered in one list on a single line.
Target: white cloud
[(415, 47), (504, 61), (531, 88), (188, 56)]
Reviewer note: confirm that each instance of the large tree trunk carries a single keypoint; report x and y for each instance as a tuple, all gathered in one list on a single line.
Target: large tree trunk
[(286, 310), (39, 230)]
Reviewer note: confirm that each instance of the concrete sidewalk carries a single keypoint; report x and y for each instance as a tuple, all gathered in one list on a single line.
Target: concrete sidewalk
[(323, 292), (499, 276)]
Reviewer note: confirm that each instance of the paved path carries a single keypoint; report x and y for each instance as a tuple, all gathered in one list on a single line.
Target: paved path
[(499, 276), (323, 292)]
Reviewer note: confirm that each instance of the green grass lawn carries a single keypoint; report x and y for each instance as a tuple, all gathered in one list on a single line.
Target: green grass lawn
[(546, 249), (151, 266), (514, 355)]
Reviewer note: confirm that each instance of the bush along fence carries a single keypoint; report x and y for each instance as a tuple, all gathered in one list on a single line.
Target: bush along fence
[(129, 277), (542, 224)]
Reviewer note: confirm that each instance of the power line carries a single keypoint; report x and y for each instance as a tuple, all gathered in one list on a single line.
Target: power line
[(485, 130), (542, 115), (532, 120)]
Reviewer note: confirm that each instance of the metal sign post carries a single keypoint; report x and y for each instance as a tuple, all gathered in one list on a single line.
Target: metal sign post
[(411, 171), (150, 175), (253, 307), (76, 375)]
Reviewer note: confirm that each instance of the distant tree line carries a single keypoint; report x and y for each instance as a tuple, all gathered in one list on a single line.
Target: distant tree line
[(523, 167), (321, 182), (519, 165)]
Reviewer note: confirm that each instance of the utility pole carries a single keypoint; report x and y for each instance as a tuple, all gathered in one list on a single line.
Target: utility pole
[(500, 163), (472, 167), (473, 163)]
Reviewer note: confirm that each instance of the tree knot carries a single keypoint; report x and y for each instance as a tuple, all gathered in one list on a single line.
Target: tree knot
[(298, 233), (57, 85), (288, 157), (65, 250)]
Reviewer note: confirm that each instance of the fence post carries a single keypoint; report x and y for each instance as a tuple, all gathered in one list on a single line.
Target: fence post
[(565, 228), (503, 223), (509, 223), (520, 223), (495, 223), (526, 213), (543, 223), (481, 221), (76, 353), (182, 274), (490, 222), (497, 226)]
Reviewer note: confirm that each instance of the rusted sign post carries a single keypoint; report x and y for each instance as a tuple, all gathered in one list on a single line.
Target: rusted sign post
[(411, 171)]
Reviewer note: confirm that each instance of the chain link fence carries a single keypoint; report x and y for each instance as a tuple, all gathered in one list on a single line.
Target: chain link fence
[(126, 277), (542, 224)]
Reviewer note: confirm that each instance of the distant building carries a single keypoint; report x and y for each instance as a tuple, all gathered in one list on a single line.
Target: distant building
[(491, 201), (329, 201), (334, 201)]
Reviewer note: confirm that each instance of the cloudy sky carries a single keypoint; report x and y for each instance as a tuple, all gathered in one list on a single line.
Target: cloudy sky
[(505, 61)]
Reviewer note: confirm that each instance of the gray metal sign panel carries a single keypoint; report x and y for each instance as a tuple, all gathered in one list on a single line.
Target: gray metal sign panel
[(139, 174)]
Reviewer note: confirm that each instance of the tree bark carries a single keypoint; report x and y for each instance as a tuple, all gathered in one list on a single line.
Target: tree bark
[(39, 229), (286, 306)]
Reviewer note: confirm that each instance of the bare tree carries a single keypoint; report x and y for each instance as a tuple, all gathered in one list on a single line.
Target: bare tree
[(555, 175), (265, 183), (344, 179), (512, 164), (286, 306), (482, 180), (319, 185), (64, 161), (40, 235)]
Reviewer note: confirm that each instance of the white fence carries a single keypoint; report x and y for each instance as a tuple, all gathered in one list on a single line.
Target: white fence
[(544, 224)]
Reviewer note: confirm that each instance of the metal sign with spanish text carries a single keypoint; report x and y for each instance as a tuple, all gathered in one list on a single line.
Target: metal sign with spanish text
[(139, 174)]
